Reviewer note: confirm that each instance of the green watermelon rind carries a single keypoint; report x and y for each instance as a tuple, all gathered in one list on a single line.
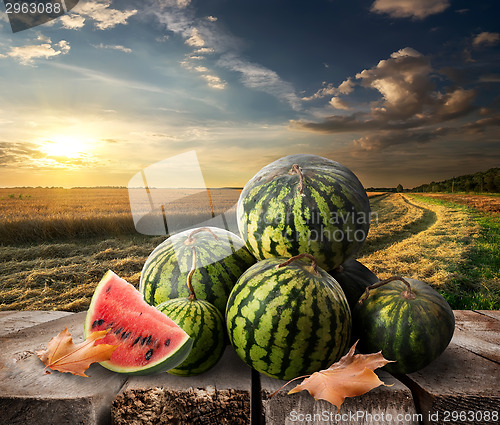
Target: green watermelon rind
[(204, 323), (219, 265), (288, 322), (413, 333), (275, 219), (174, 359)]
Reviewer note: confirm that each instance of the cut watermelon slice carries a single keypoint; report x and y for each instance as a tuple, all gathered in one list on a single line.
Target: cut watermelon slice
[(148, 341)]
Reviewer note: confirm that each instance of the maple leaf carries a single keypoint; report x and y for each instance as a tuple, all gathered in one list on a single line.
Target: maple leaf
[(351, 376), (65, 356)]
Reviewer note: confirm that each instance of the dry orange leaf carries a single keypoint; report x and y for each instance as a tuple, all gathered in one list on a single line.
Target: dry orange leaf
[(65, 356), (351, 376)]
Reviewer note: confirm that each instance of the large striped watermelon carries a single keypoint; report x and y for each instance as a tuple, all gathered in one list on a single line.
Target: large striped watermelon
[(222, 258), (411, 327), (287, 319), (304, 203)]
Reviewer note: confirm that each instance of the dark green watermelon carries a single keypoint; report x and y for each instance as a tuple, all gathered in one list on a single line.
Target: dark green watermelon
[(304, 203), (412, 328), (289, 321), (354, 278)]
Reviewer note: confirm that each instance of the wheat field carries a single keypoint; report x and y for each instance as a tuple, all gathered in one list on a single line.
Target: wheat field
[(56, 244)]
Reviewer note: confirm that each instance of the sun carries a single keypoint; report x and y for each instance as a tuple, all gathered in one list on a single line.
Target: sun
[(68, 146)]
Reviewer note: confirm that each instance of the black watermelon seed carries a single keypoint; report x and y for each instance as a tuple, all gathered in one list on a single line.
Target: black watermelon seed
[(118, 331), (124, 335), (148, 341), (149, 354), (136, 341), (144, 340), (97, 323), (108, 288), (167, 342)]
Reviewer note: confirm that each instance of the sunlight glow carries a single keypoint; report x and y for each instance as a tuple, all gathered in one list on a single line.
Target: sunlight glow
[(66, 146)]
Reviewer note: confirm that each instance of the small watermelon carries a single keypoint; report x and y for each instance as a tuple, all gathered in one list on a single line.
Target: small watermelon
[(203, 323), (411, 326), (354, 278), (222, 258), (148, 341), (304, 203), (287, 317)]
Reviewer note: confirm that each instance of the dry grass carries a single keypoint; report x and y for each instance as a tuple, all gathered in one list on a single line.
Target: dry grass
[(63, 276), (427, 239), (39, 215)]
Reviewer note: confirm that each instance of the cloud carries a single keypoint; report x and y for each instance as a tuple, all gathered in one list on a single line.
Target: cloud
[(409, 109), (104, 16), (416, 9), (214, 81), (18, 154), (72, 21), (258, 77), (28, 54), (486, 39), (338, 103), (113, 47), (195, 39), (206, 37), (345, 87)]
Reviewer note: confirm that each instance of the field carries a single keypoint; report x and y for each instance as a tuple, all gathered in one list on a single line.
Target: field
[(55, 244)]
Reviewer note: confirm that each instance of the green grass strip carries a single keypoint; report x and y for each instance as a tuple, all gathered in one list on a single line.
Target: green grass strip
[(477, 282)]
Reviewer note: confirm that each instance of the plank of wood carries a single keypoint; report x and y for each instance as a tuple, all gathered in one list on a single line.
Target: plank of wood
[(494, 314), (220, 396), (478, 333), (459, 382), (28, 396), (13, 321), (382, 405)]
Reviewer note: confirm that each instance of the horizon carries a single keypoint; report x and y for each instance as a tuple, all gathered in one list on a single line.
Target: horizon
[(400, 93)]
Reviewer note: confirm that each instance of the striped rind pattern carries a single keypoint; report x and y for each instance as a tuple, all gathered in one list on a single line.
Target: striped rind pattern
[(411, 332), (287, 322), (330, 220), (219, 265), (205, 325)]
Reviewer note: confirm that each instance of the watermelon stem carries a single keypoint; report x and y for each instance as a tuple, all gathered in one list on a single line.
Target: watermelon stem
[(297, 170), (190, 240), (408, 293), (192, 296), (314, 264)]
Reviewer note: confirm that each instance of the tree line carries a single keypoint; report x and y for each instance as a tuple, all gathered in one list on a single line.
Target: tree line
[(480, 182)]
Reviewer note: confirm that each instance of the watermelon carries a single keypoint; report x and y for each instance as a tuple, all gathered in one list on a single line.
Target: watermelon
[(354, 278), (288, 318), (148, 341), (205, 325), (412, 327), (222, 258), (304, 203)]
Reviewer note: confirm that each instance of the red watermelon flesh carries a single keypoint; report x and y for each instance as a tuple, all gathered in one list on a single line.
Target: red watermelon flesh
[(148, 341)]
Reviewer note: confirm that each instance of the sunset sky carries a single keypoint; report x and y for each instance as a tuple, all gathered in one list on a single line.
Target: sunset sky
[(401, 92)]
